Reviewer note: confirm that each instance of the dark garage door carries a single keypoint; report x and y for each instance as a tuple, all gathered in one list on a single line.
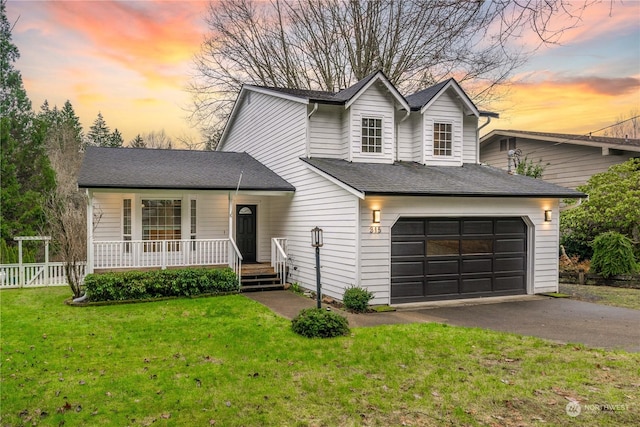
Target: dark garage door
[(447, 258)]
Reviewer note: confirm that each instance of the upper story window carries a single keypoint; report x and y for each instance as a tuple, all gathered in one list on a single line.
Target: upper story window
[(371, 135), (507, 144), (442, 145)]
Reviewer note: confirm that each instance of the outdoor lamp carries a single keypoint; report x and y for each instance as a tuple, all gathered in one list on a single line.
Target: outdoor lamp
[(376, 216), (316, 237), (548, 214)]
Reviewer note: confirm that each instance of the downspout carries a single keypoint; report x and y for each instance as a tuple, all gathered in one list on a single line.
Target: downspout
[(478, 138), (315, 108)]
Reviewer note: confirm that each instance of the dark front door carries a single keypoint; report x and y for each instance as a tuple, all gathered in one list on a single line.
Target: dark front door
[(246, 231)]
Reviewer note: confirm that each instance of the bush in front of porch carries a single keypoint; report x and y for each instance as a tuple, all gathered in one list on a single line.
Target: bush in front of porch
[(135, 285)]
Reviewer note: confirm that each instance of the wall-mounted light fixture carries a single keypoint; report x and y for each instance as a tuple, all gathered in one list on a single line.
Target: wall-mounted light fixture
[(548, 214), (376, 216)]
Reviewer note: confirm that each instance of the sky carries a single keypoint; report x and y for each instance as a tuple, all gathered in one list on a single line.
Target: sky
[(132, 61)]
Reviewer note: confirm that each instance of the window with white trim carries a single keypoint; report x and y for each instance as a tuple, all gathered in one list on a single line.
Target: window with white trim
[(193, 224), (442, 139), (126, 223), (371, 135), (161, 220)]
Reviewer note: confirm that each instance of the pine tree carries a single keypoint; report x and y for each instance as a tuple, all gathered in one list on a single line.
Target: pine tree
[(137, 142), (99, 134), (115, 139)]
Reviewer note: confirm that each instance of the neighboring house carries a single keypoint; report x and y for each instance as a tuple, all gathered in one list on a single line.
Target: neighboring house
[(394, 182), (569, 160)]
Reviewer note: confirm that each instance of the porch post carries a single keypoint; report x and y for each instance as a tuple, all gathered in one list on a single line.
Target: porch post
[(89, 267), (46, 263), (230, 216), (20, 265)]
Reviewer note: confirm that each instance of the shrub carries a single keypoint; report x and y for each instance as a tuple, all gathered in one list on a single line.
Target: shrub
[(132, 285), (357, 299), (613, 255), (319, 323)]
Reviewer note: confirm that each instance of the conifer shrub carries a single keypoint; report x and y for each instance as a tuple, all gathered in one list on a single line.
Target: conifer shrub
[(319, 323), (356, 299), (613, 255)]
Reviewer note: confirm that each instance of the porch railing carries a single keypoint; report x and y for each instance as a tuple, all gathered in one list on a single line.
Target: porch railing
[(279, 257), (35, 274), (166, 253)]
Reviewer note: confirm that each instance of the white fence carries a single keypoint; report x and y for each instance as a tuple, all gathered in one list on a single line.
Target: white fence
[(34, 275)]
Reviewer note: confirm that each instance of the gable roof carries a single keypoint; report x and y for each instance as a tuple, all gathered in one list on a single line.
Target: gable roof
[(423, 99), (414, 179), (143, 168), (627, 144)]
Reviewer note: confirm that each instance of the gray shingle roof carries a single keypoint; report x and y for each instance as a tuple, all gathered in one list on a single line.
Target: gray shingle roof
[(175, 169), (570, 138), (419, 99), (409, 178)]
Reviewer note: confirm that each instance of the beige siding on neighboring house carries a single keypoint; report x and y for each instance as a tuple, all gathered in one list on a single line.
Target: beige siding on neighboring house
[(570, 165), (375, 258), (445, 109)]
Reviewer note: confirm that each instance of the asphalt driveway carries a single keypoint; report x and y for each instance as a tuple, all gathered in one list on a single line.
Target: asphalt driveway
[(557, 319)]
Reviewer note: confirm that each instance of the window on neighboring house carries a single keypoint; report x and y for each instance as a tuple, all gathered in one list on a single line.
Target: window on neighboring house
[(126, 224), (507, 144), (161, 220), (442, 145), (371, 135), (193, 224)]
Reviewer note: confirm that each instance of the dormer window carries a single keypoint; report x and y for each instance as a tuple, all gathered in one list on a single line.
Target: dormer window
[(442, 145), (371, 135)]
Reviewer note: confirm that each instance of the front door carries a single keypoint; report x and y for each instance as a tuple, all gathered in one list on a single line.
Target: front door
[(246, 231)]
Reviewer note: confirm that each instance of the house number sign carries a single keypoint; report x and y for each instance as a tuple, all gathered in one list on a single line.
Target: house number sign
[(375, 229)]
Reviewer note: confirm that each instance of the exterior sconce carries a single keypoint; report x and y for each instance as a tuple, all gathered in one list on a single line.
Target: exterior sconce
[(316, 237), (376, 216), (548, 214)]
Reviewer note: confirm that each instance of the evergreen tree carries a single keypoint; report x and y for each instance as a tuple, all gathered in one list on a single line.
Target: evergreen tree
[(137, 142), (99, 134), (115, 139), (25, 172)]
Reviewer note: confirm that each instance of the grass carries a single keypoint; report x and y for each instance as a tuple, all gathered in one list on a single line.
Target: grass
[(229, 361), (607, 295)]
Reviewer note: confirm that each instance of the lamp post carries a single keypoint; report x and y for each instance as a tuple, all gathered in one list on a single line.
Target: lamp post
[(316, 242)]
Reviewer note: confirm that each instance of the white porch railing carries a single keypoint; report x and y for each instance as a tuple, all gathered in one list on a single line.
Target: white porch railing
[(279, 257), (166, 253), (35, 274)]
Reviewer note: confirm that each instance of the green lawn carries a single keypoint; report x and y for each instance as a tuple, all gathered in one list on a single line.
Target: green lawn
[(607, 295), (229, 361)]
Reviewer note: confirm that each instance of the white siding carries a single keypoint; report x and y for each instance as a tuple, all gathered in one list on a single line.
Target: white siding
[(373, 103), (569, 165), (445, 109), (409, 139), (326, 138), (375, 258), (470, 139), (107, 212), (274, 132)]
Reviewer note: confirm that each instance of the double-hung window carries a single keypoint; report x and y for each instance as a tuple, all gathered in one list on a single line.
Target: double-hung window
[(126, 224), (442, 141), (371, 135)]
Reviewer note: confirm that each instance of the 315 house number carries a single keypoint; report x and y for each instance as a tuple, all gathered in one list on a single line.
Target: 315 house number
[(375, 229)]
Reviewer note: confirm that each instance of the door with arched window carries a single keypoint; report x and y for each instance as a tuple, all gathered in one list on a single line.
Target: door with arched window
[(246, 231)]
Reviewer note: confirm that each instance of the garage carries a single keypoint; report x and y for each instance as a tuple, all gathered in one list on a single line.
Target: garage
[(449, 258)]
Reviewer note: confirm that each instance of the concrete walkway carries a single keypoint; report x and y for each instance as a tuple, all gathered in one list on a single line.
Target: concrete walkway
[(561, 320)]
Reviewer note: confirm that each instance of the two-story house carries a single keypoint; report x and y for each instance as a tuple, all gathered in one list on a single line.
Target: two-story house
[(407, 211)]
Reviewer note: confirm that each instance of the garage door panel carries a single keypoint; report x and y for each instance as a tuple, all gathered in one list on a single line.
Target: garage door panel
[(509, 264), (516, 282), (479, 265), (477, 227), (436, 267), (442, 287), (409, 228), (408, 289), (510, 245), (407, 268), (408, 248), (476, 285), (443, 227), (510, 226)]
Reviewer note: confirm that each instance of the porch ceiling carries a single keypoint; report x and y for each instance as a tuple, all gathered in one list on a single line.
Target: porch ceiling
[(104, 167)]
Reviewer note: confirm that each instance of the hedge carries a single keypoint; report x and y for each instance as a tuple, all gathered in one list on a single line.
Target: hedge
[(132, 285)]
